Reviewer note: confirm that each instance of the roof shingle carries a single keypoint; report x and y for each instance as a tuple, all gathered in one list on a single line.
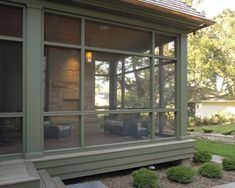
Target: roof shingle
[(175, 5)]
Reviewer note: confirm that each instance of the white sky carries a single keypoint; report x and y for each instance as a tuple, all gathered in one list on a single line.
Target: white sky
[(214, 7)]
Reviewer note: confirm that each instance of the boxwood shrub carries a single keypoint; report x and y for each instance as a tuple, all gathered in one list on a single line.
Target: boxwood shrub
[(228, 132), (207, 130), (202, 156), (181, 174), (144, 178), (211, 170), (229, 163)]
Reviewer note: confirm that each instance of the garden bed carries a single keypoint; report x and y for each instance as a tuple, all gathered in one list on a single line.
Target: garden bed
[(123, 179)]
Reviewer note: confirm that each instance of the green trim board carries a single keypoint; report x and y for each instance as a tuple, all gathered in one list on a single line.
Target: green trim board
[(92, 162)]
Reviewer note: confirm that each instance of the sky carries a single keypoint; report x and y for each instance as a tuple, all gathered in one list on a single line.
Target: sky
[(214, 7)]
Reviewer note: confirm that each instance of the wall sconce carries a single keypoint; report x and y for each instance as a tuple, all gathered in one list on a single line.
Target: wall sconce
[(89, 56)]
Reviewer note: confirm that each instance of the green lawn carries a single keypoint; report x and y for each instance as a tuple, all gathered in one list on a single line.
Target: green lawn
[(217, 148), (216, 128)]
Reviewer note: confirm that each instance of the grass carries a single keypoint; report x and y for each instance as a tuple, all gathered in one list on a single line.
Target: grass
[(217, 148), (216, 128)]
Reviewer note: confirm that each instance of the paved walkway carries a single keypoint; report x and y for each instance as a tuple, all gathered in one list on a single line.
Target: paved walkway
[(229, 185), (214, 137), (95, 184)]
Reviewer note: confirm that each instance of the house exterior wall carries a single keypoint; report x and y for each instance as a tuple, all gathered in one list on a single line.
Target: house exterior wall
[(73, 162), (211, 108)]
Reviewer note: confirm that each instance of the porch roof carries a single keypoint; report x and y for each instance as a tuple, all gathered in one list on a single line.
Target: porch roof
[(174, 13)]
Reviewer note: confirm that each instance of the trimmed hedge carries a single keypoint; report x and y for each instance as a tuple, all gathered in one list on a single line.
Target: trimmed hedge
[(207, 130), (228, 132), (144, 178), (229, 163), (211, 170), (202, 156), (181, 174)]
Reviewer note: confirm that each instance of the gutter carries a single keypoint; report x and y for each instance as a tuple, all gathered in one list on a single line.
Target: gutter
[(140, 3)]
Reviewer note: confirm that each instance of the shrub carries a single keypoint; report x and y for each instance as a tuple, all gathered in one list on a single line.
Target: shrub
[(202, 156), (211, 170), (229, 163), (191, 121), (144, 178), (228, 132), (181, 174), (207, 130), (215, 120), (190, 129)]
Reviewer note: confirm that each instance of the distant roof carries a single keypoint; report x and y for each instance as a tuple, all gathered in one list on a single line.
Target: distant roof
[(196, 94)]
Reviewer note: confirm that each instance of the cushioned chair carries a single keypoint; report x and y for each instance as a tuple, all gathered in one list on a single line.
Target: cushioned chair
[(56, 130)]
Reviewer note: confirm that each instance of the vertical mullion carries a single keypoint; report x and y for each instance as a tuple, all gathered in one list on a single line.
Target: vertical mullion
[(24, 82), (123, 85), (177, 88), (152, 89), (161, 92), (43, 64), (82, 79)]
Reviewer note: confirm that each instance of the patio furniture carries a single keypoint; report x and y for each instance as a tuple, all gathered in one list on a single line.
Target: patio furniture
[(59, 130)]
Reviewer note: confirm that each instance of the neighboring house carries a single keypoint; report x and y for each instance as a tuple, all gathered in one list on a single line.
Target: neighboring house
[(56, 59), (205, 102), (207, 108)]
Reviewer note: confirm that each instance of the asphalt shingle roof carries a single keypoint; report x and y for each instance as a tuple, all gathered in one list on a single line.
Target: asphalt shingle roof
[(175, 5)]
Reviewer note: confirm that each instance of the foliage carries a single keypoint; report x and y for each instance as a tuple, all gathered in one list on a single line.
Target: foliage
[(181, 174), (202, 156), (212, 56), (229, 163), (207, 130), (144, 178), (216, 128), (211, 170), (217, 148), (228, 132), (190, 129)]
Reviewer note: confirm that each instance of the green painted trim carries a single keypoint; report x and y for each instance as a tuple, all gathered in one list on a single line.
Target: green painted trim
[(14, 156), (63, 45), (97, 49), (82, 87), (62, 113), (123, 167), (92, 162), (9, 38), (17, 114), (152, 89), (183, 86), (33, 91), (24, 128), (108, 146)]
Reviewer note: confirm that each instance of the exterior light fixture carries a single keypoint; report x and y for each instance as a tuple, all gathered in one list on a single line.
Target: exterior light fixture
[(89, 56)]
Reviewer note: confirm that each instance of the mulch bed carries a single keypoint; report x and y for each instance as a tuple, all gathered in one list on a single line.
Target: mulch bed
[(123, 179)]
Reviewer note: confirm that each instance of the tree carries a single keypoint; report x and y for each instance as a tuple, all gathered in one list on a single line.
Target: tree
[(211, 55)]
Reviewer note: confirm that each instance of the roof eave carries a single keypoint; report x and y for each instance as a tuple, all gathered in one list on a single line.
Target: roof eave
[(202, 22)]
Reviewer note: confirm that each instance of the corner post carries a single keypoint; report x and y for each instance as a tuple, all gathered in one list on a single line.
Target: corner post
[(182, 88), (34, 146)]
